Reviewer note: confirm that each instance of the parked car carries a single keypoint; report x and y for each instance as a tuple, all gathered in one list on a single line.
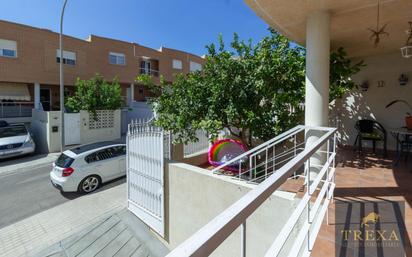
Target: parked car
[(15, 140), (85, 168)]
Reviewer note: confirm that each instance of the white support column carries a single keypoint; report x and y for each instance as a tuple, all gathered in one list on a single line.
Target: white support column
[(317, 78), (37, 96)]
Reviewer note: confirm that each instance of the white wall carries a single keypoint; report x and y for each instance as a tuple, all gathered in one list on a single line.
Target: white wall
[(48, 141), (41, 126), (371, 104), (194, 196), (88, 135)]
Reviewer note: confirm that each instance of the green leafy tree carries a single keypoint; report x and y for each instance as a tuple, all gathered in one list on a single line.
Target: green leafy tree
[(341, 71), (95, 94), (254, 91)]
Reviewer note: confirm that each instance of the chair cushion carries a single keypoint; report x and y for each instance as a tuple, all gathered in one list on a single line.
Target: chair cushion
[(373, 135)]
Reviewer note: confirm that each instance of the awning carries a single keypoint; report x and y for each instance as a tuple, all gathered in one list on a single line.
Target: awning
[(14, 91)]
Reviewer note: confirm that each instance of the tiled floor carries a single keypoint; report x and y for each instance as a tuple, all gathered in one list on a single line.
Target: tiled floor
[(367, 180)]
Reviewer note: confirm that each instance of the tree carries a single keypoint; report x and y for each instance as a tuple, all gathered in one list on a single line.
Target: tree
[(95, 94), (253, 91)]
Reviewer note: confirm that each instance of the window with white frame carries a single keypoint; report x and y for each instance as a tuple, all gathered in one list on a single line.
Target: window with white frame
[(194, 66), (177, 64), (117, 58), (69, 57), (8, 48), (145, 67)]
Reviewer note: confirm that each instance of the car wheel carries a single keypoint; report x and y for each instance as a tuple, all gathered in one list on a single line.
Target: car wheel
[(89, 184)]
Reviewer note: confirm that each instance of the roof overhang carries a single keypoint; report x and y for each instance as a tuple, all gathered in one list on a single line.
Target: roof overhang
[(350, 20)]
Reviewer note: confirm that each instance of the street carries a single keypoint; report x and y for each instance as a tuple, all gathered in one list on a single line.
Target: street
[(28, 191)]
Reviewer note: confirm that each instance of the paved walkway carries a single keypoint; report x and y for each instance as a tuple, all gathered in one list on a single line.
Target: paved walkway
[(31, 235), (20, 163)]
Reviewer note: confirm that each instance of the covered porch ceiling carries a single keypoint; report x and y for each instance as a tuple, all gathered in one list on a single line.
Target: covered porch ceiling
[(350, 20)]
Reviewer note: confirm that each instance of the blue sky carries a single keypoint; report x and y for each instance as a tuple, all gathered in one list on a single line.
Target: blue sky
[(182, 24)]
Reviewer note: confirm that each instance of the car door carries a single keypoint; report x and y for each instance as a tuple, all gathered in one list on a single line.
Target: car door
[(103, 163)]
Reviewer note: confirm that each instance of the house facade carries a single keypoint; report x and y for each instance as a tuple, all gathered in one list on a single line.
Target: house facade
[(29, 66)]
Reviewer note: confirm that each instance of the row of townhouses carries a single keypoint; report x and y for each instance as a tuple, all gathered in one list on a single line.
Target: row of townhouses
[(29, 66)]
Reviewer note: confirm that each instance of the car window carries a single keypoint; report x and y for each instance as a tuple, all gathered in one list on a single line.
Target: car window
[(90, 158), (13, 131), (119, 150), (100, 155), (64, 161)]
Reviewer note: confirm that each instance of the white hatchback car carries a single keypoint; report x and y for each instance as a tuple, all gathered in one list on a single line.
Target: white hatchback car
[(86, 167)]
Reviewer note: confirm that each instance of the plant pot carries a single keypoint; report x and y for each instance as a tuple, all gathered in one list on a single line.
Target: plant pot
[(408, 121)]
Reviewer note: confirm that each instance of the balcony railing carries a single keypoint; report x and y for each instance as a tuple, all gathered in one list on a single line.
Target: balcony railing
[(16, 109), (319, 157), (150, 72)]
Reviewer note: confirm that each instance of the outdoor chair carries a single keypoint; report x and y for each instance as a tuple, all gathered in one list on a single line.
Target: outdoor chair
[(370, 130), (406, 146)]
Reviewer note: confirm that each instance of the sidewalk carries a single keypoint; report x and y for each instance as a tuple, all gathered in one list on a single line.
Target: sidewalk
[(26, 237), (15, 164)]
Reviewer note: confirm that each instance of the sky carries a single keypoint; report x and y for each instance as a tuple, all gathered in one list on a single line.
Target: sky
[(186, 25)]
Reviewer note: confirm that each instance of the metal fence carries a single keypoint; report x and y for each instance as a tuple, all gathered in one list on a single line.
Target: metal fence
[(15, 109), (201, 145), (261, 162)]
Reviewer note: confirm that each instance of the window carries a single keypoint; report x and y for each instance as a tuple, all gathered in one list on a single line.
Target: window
[(118, 150), (8, 48), (145, 67), (64, 161), (99, 155), (69, 58), (177, 64), (13, 131), (194, 66), (117, 58)]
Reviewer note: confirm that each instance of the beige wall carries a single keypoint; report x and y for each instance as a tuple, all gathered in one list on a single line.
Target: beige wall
[(371, 104), (194, 196)]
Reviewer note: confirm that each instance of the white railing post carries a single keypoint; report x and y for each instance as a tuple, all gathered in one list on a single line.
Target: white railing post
[(327, 178), (243, 239), (294, 151)]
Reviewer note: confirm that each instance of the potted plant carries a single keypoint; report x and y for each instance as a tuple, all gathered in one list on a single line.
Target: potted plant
[(408, 118)]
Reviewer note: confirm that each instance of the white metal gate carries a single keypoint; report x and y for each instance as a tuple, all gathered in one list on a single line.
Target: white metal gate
[(145, 174), (72, 128)]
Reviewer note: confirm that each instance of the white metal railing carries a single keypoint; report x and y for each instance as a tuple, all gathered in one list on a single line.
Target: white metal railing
[(213, 234), (260, 162), (15, 109), (150, 72), (199, 146)]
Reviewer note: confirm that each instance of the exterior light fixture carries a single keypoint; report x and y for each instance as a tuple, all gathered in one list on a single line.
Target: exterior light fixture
[(403, 79), (407, 49), (364, 86)]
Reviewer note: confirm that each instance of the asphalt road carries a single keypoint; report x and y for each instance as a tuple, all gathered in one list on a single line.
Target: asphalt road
[(26, 192)]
